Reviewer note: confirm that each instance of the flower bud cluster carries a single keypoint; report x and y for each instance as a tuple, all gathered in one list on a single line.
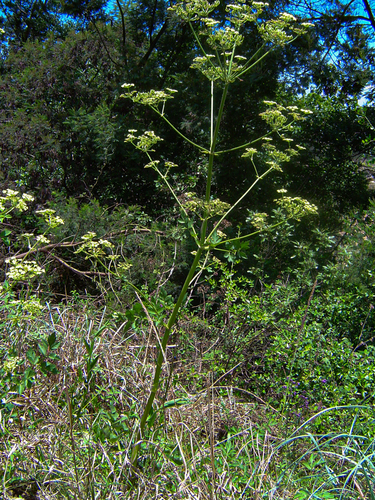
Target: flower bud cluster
[(50, 218), (258, 220), (225, 39), (144, 142), (23, 270), (203, 209), (93, 249), (296, 207), (151, 98), (13, 200), (30, 306), (194, 10)]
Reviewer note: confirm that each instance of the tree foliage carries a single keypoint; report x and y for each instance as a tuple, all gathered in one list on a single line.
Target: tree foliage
[(63, 123)]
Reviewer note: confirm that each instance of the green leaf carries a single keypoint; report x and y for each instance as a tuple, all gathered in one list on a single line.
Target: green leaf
[(32, 357), (176, 402), (4, 236), (43, 347), (53, 344), (48, 367)]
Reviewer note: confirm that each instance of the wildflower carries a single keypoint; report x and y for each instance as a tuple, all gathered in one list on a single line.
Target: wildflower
[(249, 152), (27, 197), (10, 193), (297, 207), (125, 266), (32, 306), (21, 205), (152, 164), (221, 234), (50, 218), (88, 236), (42, 239), (287, 16), (170, 164), (23, 270), (105, 243), (113, 257)]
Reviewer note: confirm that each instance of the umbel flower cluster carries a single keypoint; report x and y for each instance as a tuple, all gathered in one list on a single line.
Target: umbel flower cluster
[(295, 208), (23, 269), (224, 39), (225, 64), (12, 200)]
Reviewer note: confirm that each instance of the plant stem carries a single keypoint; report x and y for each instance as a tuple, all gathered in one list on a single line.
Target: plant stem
[(161, 355), (214, 137)]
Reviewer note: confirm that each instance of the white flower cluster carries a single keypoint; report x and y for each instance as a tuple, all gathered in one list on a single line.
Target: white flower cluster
[(203, 209), (93, 248), (249, 153), (282, 30), (144, 142), (275, 115), (276, 157), (50, 218), (30, 306), (226, 37), (15, 200), (10, 365), (258, 220), (123, 267), (40, 239), (192, 10), (23, 270), (296, 208), (243, 12), (151, 98)]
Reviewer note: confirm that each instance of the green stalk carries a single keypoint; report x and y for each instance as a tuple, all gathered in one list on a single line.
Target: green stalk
[(173, 317), (214, 137), (161, 354), (178, 131), (238, 238), (214, 141), (239, 200)]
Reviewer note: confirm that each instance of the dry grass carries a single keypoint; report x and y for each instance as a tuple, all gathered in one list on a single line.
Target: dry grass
[(69, 435), (53, 447)]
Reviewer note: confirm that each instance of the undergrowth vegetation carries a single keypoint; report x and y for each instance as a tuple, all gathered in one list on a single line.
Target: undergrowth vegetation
[(215, 352), (266, 387)]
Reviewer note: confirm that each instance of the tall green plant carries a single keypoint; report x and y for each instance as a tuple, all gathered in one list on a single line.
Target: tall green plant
[(222, 63)]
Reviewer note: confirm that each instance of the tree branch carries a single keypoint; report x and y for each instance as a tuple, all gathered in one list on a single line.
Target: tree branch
[(145, 58), (369, 12)]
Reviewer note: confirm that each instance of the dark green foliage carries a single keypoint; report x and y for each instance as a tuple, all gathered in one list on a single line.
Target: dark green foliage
[(63, 124), (26, 20), (330, 170), (302, 339)]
